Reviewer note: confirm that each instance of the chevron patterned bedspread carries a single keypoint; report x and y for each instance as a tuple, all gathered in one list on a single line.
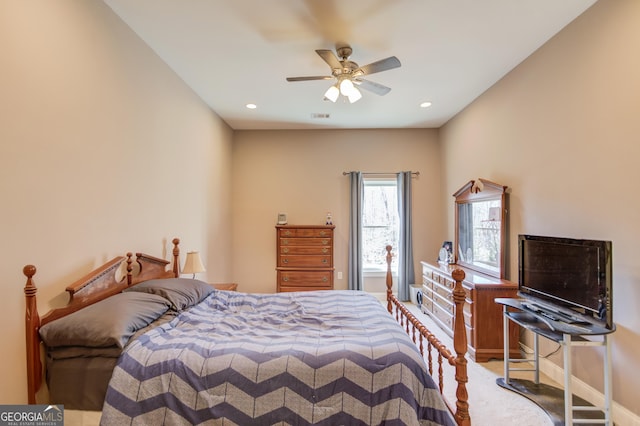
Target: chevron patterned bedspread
[(325, 357)]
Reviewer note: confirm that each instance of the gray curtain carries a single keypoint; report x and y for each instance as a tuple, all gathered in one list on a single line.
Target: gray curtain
[(406, 274), (355, 232)]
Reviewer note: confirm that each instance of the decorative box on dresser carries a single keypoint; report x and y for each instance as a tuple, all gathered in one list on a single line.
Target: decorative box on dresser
[(305, 257), (482, 316)]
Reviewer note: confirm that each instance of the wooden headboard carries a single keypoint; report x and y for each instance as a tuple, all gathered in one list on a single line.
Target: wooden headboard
[(97, 285)]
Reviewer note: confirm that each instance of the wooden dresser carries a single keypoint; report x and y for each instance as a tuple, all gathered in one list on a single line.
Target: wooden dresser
[(482, 316), (305, 257)]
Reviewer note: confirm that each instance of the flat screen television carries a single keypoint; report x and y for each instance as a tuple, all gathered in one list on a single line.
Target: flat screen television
[(568, 276)]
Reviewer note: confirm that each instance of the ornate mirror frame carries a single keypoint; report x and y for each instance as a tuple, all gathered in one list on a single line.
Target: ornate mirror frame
[(481, 227)]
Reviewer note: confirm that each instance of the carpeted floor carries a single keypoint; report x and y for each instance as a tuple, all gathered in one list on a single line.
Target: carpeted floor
[(489, 404)]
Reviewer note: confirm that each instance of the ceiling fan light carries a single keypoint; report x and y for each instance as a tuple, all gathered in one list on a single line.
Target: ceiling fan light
[(354, 96), (332, 93), (347, 87)]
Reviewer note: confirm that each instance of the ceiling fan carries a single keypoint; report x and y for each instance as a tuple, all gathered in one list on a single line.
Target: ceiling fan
[(349, 74)]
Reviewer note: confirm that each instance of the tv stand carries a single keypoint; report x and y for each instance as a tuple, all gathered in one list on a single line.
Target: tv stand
[(569, 332)]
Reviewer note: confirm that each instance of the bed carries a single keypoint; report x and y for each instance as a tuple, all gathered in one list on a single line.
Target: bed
[(181, 352)]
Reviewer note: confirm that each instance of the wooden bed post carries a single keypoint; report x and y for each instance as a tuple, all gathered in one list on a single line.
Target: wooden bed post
[(460, 347), (389, 280), (176, 257), (32, 325), (129, 268), (459, 361)]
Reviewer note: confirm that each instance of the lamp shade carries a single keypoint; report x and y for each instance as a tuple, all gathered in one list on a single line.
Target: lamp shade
[(346, 87), (354, 95), (193, 264), (332, 93)]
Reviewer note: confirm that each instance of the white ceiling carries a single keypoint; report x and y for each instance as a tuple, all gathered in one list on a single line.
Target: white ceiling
[(233, 52)]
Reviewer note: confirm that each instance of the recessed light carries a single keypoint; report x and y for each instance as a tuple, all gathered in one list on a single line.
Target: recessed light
[(425, 105), (252, 106)]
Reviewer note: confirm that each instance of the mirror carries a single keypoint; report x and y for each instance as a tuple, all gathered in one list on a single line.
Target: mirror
[(481, 227)]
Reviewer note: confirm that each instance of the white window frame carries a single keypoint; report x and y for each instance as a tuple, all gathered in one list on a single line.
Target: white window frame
[(371, 270)]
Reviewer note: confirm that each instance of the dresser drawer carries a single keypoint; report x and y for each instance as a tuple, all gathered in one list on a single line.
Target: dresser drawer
[(304, 233), (446, 282), (446, 319), (443, 292), (427, 299), (427, 304), (444, 303), (426, 281), (314, 250), (443, 316), (305, 261), (289, 242), (305, 279)]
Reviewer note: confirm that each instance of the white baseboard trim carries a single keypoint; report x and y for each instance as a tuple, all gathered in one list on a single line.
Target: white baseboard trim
[(620, 415)]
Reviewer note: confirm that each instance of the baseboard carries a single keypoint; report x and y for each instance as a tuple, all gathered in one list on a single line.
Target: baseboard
[(621, 416)]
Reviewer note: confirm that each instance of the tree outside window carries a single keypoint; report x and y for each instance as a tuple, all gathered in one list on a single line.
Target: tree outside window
[(380, 223)]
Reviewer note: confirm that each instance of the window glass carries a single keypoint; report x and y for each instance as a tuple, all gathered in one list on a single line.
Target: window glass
[(380, 223)]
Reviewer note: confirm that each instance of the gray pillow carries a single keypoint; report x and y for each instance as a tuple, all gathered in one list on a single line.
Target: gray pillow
[(110, 322), (182, 293)]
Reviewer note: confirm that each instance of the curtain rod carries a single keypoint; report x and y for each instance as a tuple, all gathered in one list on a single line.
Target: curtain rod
[(381, 173)]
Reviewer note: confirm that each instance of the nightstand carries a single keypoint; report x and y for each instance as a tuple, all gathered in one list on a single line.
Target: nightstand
[(225, 286)]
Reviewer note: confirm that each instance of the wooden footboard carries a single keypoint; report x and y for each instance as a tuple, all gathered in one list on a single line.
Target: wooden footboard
[(99, 284), (419, 333)]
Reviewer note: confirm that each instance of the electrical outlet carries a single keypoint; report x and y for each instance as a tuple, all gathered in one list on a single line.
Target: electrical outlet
[(340, 275)]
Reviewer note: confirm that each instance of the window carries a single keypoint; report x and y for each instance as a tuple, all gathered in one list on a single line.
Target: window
[(380, 223), (486, 233)]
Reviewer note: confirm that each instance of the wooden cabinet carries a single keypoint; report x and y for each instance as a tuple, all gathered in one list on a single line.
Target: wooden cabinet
[(305, 257), (482, 316)]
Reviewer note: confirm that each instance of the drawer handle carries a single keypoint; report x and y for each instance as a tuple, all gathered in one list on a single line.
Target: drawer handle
[(285, 278), (285, 260), (287, 233), (322, 233), (325, 250), (325, 279), (325, 242), (285, 242), (285, 250)]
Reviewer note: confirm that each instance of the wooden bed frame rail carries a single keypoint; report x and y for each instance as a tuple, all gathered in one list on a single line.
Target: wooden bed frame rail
[(93, 287), (461, 409)]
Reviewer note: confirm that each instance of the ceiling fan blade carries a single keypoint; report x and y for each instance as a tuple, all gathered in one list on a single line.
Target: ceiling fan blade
[(378, 66), (330, 58), (313, 77), (371, 86)]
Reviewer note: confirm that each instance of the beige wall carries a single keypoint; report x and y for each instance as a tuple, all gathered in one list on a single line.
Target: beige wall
[(103, 150), (562, 130), (300, 173)]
